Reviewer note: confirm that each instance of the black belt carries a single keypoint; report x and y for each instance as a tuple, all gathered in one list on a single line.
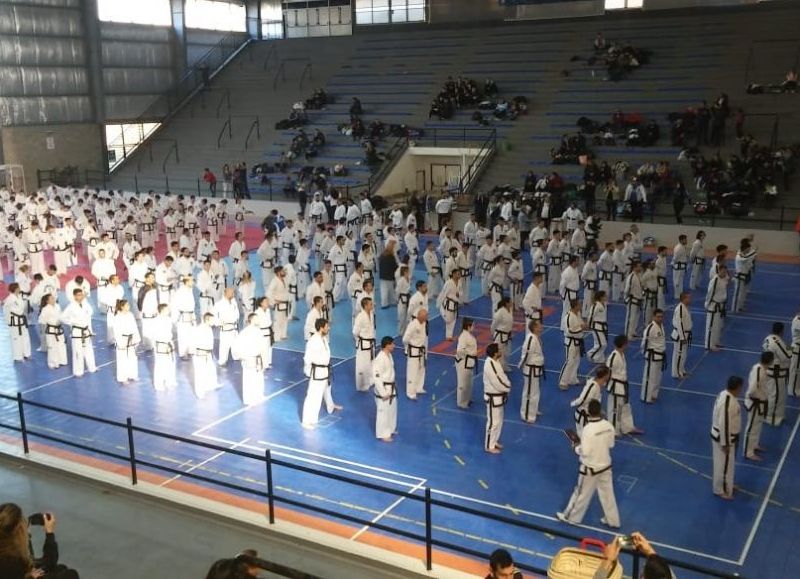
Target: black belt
[(18, 322), (679, 266), (536, 370), (315, 367), (470, 362), (54, 330), (591, 284), (186, 316), (229, 327), (656, 356), (630, 300), (366, 344), (340, 268), (203, 352), (393, 391), (743, 277), (403, 298), (494, 397), (450, 305), (282, 306), (756, 405), (267, 264), (606, 275), (416, 351), (613, 383), (504, 337), (588, 470), (600, 327), (662, 281), (571, 341), (83, 333)]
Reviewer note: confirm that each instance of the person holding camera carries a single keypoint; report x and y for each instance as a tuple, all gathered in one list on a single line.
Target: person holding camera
[(654, 568), (17, 560)]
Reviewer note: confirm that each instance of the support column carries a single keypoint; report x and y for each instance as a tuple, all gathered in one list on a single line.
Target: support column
[(94, 70), (179, 54), (253, 15)]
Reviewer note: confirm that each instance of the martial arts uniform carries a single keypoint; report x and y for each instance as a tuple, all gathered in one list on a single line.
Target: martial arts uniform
[(309, 328), (618, 407), (403, 288), (514, 275), (355, 287), (568, 290), (618, 258), (589, 279), (466, 364), (248, 349), (598, 325), (573, 350), (338, 258), (415, 340), (205, 285), (605, 272), (502, 328), (182, 307), (756, 403), (226, 313), (778, 377), (681, 338), (317, 366), (431, 261), (661, 282), (448, 301), (553, 255), (496, 277), (741, 283), (532, 304), (266, 252), (715, 304), (126, 338), (531, 362), (679, 261), (496, 387), (364, 335), (165, 282), (697, 257), (654, 350), (385, 395), (650, 288), (148, 305), (164, 354), (591, 391), (634, 300), (794, 363), (79, 317), (280, 298), (203, 366), (50, 319), (15, 310), (539, 264), (264, 323), (417, 302), (594, 474), (725, 428)]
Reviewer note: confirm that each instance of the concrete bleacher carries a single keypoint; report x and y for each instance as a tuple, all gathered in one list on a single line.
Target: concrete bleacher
[(695, 55)]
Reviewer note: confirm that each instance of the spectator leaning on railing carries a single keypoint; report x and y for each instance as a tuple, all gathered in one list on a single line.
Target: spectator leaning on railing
[(16, 551), (655, 567)]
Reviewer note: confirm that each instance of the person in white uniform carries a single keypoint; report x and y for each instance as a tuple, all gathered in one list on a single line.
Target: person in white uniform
[(466, 363), (569, 288), (496, 387), (227, 314), (50, 319), (598, 325), (634, 300), (681, 335), (203, 366), (756, 402), (78, 315), (618, 406), (403, 298), (531, 362), (726, 424), (315, 312), (654, 350), (182, 307), (794, 363), (415, 340), (532, 301), (745, 261), (280, 298), (716, 307), (126, 338), (264, 321), (248, 348), (15, 311), (317, 367), (778, 374), (594, 473), (164, 350), (502, 328), (383, 377), (697, 257), (680, 258), (574, 328), (448, 302), (592, 390), (364, 335)]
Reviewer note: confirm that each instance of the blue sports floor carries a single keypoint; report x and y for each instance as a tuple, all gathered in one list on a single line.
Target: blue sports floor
[(662, 479)]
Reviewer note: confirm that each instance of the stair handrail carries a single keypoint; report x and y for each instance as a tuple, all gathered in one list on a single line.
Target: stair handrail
[(226, 98), (306, 69), (486, 151), (173, 147), (281, 72), (256, 124), (273, 50), (227, 125)]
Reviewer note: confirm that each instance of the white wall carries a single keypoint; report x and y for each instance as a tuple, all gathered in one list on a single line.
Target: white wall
[(404, 174)]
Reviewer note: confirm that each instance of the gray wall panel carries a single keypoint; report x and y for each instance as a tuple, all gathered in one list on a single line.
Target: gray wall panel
[(39, 110), (34, 21), (135, 54), (30, 51), (50, 3), (36, 81), (126, 108), (135, 32), (136, 80)]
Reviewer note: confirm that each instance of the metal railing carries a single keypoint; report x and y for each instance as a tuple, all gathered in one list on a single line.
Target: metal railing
[(307, 69), (226, 125), (272, 51), (391, 157), (172, 149), (225, 99), (271, 497), (280, 74), (256, 124), (479, 163)]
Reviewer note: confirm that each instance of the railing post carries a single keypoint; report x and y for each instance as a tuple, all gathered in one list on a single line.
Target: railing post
[(428, 530), (783, 212), (166, 182), (177, 154), (23, 428), (198, 187), (131, 451), (270, 498), (635, 571), (136, 182)]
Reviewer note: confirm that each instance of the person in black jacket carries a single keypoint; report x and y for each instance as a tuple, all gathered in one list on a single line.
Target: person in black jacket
[(387, 264), (17, 559)]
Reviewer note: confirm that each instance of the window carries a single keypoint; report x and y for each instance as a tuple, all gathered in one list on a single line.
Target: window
[(211, 15), (156, 12), (389, 11), (271, 20), (623, 4), (122, 140)]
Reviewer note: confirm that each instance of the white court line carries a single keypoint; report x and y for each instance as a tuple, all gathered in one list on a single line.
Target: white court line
[(64, 379), (201, 464), (751, 537), (386, 511), (516, 511), (266, 399)]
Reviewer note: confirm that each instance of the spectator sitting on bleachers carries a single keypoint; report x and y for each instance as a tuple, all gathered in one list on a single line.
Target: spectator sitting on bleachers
[(356, 110), (599, 42), (571, 149), (371, 155), (620, 59), (319, 99), (489, 88)]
